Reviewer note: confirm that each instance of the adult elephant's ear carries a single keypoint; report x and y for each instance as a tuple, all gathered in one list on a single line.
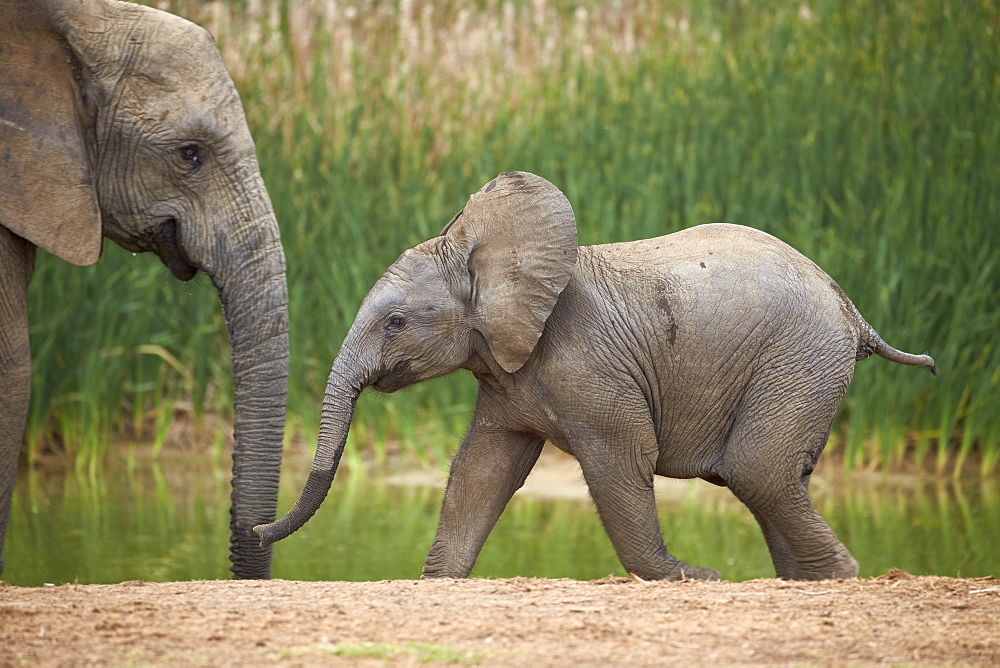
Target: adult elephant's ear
[(47, 194), (520, 232)]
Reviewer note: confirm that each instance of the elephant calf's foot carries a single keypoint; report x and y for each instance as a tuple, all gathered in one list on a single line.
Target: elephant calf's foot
[(699, 573), (842, 566), (681, 571)]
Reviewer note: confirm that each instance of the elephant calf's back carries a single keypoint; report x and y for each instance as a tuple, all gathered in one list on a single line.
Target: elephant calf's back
[(727, 283), (718, 314)]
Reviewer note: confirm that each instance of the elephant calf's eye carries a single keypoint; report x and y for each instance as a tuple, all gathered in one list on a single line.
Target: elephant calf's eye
[(191, 155)]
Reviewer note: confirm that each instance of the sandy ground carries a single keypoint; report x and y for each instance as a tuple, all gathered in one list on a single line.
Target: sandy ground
[(896, 618)]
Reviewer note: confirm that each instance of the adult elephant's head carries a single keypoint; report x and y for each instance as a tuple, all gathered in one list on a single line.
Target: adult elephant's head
[(476, 297), (122, 121)]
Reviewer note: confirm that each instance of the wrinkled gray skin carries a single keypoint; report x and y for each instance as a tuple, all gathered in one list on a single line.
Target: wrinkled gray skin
[(122, 121), (718, 352)]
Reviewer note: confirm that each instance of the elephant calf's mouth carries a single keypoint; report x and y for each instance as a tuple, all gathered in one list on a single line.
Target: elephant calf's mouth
[(395, 378), (168, 247)]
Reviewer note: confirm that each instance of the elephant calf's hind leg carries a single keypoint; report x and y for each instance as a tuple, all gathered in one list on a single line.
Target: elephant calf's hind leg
[(773, 487), (626, 503)]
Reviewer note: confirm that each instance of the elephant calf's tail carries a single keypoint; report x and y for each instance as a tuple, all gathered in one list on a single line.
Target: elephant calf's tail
[(875, 344), (898, 356)]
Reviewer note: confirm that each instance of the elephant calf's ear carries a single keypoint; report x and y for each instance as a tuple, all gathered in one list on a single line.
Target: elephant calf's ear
[(524, 247), (46, 188)]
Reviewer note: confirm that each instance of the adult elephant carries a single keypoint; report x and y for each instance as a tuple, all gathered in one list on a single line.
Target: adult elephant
[(122, 121), (717, 352)]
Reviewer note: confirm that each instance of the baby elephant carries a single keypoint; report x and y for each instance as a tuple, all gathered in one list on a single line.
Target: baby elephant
[(717, 352)]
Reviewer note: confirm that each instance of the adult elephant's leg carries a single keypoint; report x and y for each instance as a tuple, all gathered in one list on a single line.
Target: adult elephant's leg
[(770, 454), (17, 261), (486, 471), (618, 466)]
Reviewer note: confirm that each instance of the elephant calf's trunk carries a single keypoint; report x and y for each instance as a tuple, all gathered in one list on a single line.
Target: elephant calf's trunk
[(338, 409), (315, 491)]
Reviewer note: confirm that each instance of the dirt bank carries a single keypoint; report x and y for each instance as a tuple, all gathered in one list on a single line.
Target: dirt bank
[(896, 618)]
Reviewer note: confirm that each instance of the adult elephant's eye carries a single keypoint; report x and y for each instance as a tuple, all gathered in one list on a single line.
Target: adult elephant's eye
[(396, 322), (191, 154)]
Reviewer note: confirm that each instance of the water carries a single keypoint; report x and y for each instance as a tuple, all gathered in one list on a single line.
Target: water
[(168, 520)]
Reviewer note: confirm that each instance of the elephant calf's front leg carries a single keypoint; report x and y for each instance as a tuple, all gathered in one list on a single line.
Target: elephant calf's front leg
[(486, 471)]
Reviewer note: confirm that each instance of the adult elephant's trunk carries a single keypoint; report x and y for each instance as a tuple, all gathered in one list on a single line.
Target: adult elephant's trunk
[(347, 379), (247, 266)]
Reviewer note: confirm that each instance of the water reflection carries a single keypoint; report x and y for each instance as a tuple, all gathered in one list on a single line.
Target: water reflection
[(169, 521)]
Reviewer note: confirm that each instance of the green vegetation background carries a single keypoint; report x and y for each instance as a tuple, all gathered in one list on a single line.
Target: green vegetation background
[(865, 134)]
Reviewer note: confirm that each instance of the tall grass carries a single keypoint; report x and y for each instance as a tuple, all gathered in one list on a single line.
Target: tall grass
[(864, 134)]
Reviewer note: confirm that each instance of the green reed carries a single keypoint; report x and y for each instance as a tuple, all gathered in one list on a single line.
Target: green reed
[(864, 134)]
